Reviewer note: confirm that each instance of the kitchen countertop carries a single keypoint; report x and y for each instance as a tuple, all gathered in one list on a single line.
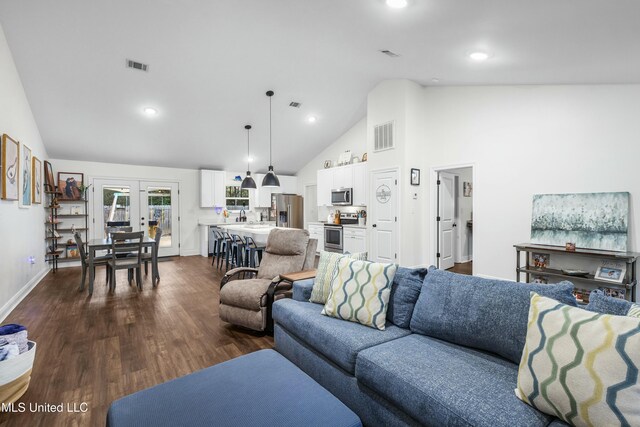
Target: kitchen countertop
[(343, 225)]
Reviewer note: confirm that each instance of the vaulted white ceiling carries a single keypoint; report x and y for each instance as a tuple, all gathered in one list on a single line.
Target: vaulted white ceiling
[(211, 62)]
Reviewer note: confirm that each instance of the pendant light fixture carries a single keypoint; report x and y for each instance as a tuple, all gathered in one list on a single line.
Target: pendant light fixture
[(270, 179), (248, 182)]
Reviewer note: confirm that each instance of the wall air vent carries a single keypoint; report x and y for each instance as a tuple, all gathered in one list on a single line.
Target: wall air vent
[(389, 53), (383, 137), (137, 65), (295, 104)]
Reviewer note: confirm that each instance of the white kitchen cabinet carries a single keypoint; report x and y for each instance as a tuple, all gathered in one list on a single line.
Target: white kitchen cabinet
[(324, 186), (354, 240), (212, 188), (316, 231), (351, 176), (342, 177), (360, 184)]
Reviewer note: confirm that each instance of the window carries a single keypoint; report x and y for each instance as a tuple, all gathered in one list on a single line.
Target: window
[(237, 198)]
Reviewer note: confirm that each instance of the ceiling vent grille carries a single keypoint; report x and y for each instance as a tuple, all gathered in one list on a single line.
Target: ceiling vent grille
[(383, 137), (389, 53), (295, 104), (137, 65)]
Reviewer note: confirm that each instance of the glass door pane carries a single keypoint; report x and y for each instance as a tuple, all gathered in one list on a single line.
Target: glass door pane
[(159, 205), (115, 204)]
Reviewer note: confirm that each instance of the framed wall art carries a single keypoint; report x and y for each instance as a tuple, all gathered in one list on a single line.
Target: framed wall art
[(415, 176), (36, 180), (10, 160), (25, 176), (49, 182), (69, 185)]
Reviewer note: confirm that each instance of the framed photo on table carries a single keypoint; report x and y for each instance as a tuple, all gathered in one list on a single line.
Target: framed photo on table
[(611, 272)]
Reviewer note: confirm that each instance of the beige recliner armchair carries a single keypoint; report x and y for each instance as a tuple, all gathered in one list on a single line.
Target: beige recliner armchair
[(246, 294)]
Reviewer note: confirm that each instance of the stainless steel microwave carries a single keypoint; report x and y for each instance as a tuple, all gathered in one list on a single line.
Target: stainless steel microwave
[(342, 197)]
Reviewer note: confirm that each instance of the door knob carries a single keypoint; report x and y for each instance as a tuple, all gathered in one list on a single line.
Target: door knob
[(374, 225), (455, 225)]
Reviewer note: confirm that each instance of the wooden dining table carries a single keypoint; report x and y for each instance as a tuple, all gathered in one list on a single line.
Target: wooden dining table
[(94, 245)]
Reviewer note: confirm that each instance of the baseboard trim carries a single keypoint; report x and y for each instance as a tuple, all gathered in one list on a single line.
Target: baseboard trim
[(190, 252), (22, 293)]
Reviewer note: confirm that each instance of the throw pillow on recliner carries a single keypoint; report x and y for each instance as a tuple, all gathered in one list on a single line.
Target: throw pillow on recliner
[(325, 271)]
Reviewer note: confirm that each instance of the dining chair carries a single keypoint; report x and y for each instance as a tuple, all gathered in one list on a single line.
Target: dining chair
[(99, 260), (129, 244), (111, 230), (153, 258)]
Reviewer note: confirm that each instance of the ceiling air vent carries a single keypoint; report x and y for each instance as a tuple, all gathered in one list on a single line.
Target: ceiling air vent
[(295, 104), (389, 53), (137, 65), (383, 137)]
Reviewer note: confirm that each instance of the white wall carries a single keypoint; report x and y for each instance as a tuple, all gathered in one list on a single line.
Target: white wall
[(22, 231), (401, 101), (526, 140), (189, 180), (355, 139)]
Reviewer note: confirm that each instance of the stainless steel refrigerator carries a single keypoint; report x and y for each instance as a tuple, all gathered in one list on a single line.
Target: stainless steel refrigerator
[(289, 210)]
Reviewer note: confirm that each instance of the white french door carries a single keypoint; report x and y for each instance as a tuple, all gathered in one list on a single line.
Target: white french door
[(141, 205)]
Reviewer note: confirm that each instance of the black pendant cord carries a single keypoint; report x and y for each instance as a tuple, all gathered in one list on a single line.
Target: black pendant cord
[(248, 128), (270, 159)]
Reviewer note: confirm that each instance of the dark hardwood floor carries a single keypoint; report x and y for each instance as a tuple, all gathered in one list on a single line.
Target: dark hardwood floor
[(97, 349), (462, 268)]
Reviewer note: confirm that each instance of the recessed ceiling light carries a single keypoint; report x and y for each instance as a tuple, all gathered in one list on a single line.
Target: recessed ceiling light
[(435, 80), (397, 4), (479, 56), (312, 119), (150, 111), (249, 159)]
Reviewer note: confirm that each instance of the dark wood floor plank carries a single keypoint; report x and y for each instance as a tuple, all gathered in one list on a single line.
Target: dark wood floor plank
[(97, 349)]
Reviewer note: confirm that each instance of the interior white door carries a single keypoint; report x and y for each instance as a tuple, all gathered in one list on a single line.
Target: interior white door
[(159, 202), (446, 220), (115, 201), (383, 216)]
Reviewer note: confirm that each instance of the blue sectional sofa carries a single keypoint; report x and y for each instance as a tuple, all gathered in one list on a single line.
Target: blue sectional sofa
[(448, 356)]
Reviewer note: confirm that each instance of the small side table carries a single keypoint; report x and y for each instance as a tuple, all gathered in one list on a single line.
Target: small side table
[(301, 275), (284, 284)]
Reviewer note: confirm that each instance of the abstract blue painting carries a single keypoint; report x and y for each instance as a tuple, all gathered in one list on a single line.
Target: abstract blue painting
[(590, 220)]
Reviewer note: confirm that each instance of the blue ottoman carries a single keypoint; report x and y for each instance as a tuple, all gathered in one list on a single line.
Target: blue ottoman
[(259, 389)]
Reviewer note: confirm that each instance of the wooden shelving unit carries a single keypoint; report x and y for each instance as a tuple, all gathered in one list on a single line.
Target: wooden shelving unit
[(56, 225), (629, 258)]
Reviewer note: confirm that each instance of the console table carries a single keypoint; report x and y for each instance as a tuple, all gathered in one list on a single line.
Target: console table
[(629, 258)]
